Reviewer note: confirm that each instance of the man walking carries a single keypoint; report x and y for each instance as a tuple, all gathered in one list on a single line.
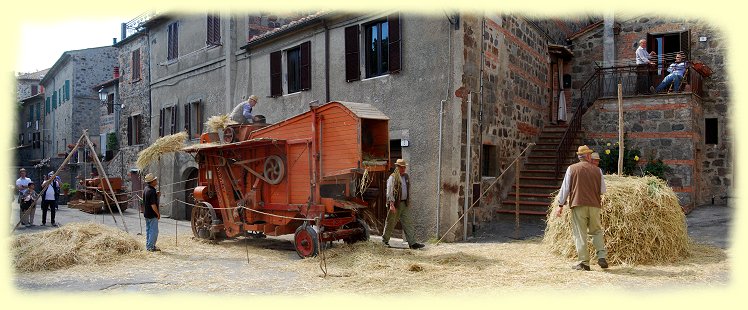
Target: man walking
[(49, 200), (398, 186), (151, 213), (583, 184)]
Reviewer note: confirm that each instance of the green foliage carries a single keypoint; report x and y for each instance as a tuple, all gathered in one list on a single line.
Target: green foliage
[(65, 186), (111, 141), (656, 168), (609, 159), (72, 193)]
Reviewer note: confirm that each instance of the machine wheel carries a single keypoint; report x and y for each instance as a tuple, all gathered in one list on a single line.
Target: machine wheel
[(306, 241), (361, 237), (228, 135), (274, 169), (201, 221)]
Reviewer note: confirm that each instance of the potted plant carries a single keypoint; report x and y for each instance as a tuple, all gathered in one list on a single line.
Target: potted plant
[(65, 188)]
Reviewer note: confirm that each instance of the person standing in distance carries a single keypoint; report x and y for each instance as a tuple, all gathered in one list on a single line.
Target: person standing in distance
[(151, 213), (398, 187)]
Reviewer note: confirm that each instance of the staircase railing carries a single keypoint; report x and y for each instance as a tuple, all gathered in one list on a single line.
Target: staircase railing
[(589, 92)]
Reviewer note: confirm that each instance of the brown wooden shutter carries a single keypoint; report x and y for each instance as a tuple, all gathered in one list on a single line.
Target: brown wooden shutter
[(187, 123), (161, 118), (306, 66), (352, 66), (136, 64), (129, 130), (393, 22), (136, 131), (651, 44), (685, 44), (276, 82), (174, 119)]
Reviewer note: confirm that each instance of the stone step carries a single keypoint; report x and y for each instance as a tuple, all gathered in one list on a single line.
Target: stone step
[(536, 188), (530, 180), (537, 197), (538, 173), (525, 207)]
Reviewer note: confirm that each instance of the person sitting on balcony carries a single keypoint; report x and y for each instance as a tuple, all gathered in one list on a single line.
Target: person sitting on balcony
[(644, 67), (677, 70)]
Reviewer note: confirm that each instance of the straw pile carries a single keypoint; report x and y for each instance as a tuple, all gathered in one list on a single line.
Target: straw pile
[(71, 244), (218, 123), (166, 144), (642, 222)]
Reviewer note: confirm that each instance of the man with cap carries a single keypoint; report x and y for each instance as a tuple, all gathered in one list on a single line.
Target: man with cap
[(49, 198), (28, 201), (151, 213), (398, 187), (595, 159), (242, 113), (583, 184)]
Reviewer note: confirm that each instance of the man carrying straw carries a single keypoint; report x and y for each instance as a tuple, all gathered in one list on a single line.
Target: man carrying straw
[(398, 186), (583, 184)]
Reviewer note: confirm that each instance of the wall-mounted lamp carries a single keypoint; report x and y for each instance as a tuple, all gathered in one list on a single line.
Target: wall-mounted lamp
[(103, 95)]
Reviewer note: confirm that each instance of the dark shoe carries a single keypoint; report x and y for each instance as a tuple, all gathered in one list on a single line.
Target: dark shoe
[(602, 262), (44, 224), (386, 243), (652, 90), (416, 246), (155, 249), (581, 266)]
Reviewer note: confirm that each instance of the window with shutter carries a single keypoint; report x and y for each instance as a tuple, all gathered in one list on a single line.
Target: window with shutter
[(67, 90), (376, 52), (136, 129), (136, 65), (129, 130), (172, 49), (352, 69), (47, 107), (293, 69), (667, 45), (394, 32), (34, 90), (214, 30), (305, 72), (276, 82), (110, 103), (161, 118), (187, 121), (174, 119)]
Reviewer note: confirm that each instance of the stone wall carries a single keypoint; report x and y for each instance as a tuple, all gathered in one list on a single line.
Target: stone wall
[(664, 127), (716, 175)]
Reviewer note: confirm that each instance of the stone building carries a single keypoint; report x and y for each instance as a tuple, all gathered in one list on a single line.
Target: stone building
[(688, 131), (72, 105)]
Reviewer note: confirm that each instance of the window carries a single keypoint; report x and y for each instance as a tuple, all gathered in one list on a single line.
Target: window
[(381, 48), (67, 90), (36, 142), (34, 90), (172, 48), (168, 121), (55, 102), (214, 30), (109, 103), (711, 131), (298, 70), (666, 45), (193, 119), (293, 66), (489, 161), (136, 65), (47, 107), (133, 130)]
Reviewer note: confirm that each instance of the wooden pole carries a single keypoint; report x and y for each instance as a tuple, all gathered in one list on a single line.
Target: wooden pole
[(106, 178), (620, 129), (516, 197), (44, 187)]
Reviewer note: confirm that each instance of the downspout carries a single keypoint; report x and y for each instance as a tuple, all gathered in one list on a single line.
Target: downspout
[(480, 101), (467, 164), (327, 61), (441, 116)]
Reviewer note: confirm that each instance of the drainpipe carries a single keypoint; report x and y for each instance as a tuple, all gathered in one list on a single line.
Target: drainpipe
[(467, 164), (480, 111), (441, 117), (327, 60)]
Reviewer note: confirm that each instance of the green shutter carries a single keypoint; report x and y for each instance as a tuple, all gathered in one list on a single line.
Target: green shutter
[(67, 89), (46, 105), (54, 98)]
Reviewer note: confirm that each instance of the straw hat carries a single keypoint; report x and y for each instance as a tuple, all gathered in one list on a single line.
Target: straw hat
[(401, 162), (595, 155), (584, 149), (150, 178)]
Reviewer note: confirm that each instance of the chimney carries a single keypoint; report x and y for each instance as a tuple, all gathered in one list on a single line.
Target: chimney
[(116, 72), (114, 41)]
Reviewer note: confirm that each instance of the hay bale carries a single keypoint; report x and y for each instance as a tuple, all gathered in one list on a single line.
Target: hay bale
[(71, 244), (163, 145), (642, 222), (218, 123)]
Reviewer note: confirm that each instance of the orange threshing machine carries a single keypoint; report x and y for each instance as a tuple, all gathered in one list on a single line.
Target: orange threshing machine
[(300, 176)]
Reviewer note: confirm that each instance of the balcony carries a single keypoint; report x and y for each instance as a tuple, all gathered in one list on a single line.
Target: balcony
[(630, 75)]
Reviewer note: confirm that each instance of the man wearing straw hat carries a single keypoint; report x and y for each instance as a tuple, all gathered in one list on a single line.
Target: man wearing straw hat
[(242, 113), (398, 187), (151, 213), (583, 184)]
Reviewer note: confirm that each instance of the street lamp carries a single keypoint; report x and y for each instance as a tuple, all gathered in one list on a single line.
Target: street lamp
[(103, 95)]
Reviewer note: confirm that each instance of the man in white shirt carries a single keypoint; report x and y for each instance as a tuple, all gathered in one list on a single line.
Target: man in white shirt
[(22, 185), (49, 200), (644, 68)]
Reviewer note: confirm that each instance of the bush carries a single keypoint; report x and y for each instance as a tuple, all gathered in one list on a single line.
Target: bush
[(65, 186), (609, 159), (656, 168)]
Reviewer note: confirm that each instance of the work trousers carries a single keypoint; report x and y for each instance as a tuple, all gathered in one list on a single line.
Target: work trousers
[(52, 206), (586, 222), (151, 233), (400, 214)]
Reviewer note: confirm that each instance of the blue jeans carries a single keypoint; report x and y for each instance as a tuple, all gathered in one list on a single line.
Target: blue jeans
[(151, 233), (670, 78)]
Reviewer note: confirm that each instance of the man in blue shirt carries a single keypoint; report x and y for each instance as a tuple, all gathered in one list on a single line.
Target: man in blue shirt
[(677, 70), (242, 113)]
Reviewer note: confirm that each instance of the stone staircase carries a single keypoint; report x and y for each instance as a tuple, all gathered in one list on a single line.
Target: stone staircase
[(538, 179)]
